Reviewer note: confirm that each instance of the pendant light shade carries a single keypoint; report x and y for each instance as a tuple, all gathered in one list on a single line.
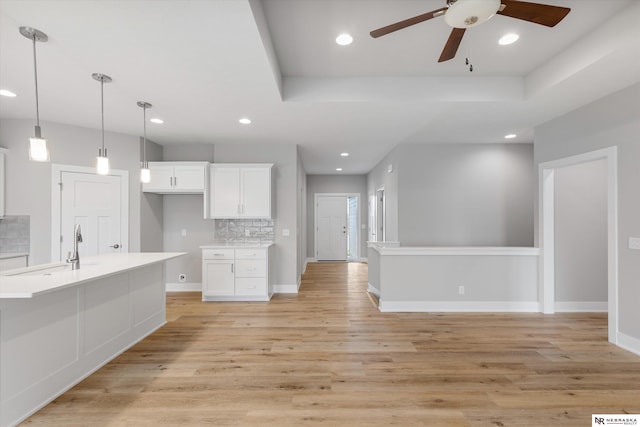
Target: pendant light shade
[(38, 150), (102, 164), (145, 173)]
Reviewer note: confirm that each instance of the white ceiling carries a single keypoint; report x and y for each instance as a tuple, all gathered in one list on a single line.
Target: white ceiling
[(203, 64)]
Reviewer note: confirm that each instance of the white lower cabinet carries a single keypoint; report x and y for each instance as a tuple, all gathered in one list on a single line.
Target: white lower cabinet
[(239, 274)]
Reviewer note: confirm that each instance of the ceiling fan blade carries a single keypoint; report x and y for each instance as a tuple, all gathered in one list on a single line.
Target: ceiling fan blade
[(407, 23), (542, 14), (450, 49)]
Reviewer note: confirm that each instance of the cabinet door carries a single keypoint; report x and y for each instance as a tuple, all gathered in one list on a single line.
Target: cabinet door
[(161, 178), (225, 192), (189, 178), (218, 278), (256, 192)]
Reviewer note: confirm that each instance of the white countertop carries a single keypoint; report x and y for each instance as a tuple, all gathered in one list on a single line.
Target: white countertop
[(235, 245), (30, 282), (396, 250)]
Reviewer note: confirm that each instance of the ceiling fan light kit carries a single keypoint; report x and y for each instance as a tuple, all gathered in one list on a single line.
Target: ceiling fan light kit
[(469, 13), (463, 14)]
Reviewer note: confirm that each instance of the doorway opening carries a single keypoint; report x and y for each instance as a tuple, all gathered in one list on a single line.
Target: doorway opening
[(547, 231), (337, 224)]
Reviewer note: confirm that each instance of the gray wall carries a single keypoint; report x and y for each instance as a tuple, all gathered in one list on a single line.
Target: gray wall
[(151, 210), (28, 184), (381, 177), (458, 194), (302, 215), (466, 195), (336, 184), (611, 121), (581, 232), (185, 212)]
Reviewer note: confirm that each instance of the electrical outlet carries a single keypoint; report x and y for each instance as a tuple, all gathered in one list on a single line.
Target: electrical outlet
[(184, 232), (634, 242), (460, 290), (247, 232), (182, 277)]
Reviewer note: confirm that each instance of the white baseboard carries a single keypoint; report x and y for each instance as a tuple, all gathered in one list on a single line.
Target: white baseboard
[(286, 289), (581, 306), (184, 287), (459, 306), (373, 290), (628, 343), (361, 259)]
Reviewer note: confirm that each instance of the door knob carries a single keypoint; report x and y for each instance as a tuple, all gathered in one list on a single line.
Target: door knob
[(116, 246)]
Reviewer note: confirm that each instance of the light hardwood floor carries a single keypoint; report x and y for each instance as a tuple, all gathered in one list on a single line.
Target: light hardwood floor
[(327, 357)]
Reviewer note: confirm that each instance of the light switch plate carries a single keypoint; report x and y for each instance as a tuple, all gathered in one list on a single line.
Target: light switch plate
[(285, 231), (634, 243)]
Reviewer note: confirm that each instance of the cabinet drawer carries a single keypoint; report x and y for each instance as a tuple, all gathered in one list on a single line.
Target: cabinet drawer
[(217, 254), (251, 286), (251, 254), (249, 268)]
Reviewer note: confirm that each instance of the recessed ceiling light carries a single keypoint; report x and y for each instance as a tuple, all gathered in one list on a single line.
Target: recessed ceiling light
[(338, 169), (156, 121), (508, 39), (344, 154), (510, 136), (7, 93), (344, 39), (245, 121)]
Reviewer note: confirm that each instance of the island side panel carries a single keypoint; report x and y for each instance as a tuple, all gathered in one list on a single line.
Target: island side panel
[(51, 342)]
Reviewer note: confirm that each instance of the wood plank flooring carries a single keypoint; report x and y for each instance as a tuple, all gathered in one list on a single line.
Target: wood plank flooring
[(327, 357)]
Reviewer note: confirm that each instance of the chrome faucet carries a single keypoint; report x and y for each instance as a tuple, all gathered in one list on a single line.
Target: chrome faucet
[(74, 258)]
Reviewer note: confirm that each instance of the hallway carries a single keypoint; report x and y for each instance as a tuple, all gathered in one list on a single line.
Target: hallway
[(327, 356)]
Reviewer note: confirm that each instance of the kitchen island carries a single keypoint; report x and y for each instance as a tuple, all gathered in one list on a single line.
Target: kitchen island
[(58, 325)]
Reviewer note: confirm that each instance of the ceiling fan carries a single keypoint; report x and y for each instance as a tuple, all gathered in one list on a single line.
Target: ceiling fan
[(462, 14)]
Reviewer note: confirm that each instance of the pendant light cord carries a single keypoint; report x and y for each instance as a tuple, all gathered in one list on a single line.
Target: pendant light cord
[(102, 107), (35, 74), (144, 138)]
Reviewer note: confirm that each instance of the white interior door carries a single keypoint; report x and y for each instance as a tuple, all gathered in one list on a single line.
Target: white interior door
[(331, 228), (94, 202)]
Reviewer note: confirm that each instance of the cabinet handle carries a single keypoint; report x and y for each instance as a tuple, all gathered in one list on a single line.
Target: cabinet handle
[(170, 181), (175, 181), (232, 268), (218, 254)]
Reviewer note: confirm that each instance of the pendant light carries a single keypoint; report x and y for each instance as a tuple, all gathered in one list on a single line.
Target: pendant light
[(102, 165), (38, 151), (145, 173)]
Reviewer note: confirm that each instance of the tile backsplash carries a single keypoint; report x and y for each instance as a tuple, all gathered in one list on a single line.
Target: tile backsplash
[(14, 234), (244, 230)]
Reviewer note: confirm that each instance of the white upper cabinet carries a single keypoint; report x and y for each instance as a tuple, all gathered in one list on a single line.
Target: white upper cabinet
[(240, 190), (177, 177)]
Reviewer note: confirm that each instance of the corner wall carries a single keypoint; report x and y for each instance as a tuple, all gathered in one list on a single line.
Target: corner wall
[(611, 121)]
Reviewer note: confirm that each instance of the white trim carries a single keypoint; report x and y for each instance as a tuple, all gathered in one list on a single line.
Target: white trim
[(373, 290), (459, 306), (361, 259), (459, 251), (546, 230), (184, 287), (286, 289), (629, 343), (315, 219), (581, 306), (56, 220)]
